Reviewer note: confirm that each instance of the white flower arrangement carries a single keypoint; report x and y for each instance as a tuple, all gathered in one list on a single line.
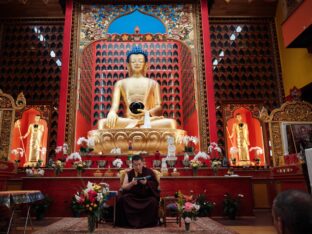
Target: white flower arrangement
[(258, 150), (105, 187), (88, 141), (34, 172), (117, 163), (82, 140), (74, 156), (62, 148), (194, 139), (187, 139), (186, 157), (40, 172), (18, 152), (29, 172), (65, 148), (116, 150), (233, 150), (215, 164), (58, 149), (201, 155), (91, 143), (214, 147)]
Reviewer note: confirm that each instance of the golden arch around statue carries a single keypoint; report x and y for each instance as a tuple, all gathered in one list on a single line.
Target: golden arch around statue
[(138, 108)]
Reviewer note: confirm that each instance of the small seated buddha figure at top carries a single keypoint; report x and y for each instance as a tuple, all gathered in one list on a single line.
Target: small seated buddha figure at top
[(141, 96)]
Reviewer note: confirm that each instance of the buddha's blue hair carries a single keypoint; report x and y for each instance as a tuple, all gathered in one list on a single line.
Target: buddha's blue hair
[(137, 50)]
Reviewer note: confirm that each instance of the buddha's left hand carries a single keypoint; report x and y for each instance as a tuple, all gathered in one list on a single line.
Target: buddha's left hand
[(143, 111)]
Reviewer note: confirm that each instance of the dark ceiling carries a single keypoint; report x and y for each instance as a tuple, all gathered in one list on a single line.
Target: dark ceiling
[(54, 8)]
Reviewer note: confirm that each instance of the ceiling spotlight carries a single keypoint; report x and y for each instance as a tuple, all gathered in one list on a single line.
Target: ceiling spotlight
[(227, 1)]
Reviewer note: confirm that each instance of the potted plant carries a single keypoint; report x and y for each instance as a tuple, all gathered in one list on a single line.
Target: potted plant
[(86, 145), (77, 208), (188, 209), (41, 207), (231, 205), (206, 206), (80, 167), (215, 165), (195, 164), (58, 167), (91, 199)]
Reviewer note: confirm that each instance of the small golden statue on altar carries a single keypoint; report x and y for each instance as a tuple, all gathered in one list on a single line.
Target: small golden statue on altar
[(35, 144), (143, 124), (241, 134)]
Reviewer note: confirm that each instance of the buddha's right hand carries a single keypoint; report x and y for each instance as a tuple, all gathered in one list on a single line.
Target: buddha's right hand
[(111, 119)]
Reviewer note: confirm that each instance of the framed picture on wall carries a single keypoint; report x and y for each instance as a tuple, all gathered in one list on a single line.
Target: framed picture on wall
[(296, 137)]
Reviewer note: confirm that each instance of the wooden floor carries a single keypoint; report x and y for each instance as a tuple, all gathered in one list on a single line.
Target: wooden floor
[(260, 224)]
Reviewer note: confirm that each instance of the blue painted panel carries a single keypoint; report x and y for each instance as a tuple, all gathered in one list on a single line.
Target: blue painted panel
[(127, 23)]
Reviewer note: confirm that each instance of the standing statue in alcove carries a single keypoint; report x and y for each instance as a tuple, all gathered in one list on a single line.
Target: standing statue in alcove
[(35, 131), (240, 130), (141, 96)]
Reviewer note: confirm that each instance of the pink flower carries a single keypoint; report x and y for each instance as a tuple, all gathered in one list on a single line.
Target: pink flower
[(188, 206)]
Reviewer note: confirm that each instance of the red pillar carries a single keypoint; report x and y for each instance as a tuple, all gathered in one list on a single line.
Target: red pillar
[(208, 70), (64, 73)]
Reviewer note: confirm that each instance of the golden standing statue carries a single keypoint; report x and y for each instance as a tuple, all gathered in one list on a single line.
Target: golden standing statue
[(137, 90), (142, 99), (240, 130), (35, 130)]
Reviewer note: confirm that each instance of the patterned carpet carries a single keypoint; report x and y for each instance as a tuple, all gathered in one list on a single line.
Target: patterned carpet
[(79, 225)]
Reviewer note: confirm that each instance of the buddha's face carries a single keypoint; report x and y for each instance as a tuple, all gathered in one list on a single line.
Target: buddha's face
[(37, 119), (137, 165), (239, 118), (137, 62)]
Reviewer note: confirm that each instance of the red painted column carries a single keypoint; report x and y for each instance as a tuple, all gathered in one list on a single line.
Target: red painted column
[(64, 73), (209, 76)]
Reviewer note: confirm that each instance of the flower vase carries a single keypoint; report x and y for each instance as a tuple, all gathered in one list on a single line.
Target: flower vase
[(91, 223), (195, 171), (79, 173), (187, 226), (215, 171)]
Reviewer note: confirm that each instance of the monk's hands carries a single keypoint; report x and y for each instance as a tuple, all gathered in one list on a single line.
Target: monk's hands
[(111, 119), (143, 181), (133, 182)]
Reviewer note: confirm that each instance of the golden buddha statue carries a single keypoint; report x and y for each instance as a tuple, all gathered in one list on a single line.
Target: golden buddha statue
[(240, 131), (142, 98), (35, 130)]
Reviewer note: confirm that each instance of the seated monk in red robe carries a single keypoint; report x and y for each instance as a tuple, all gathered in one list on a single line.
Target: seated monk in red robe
[(137, 207)]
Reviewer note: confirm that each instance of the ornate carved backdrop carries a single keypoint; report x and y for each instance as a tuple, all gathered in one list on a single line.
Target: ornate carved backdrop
[(295, 112), (7, 114), (195, 38)]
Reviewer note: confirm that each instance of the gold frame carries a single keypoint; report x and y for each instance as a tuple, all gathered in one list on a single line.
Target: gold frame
[(7, 116), (296, 112), (199, 76)]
